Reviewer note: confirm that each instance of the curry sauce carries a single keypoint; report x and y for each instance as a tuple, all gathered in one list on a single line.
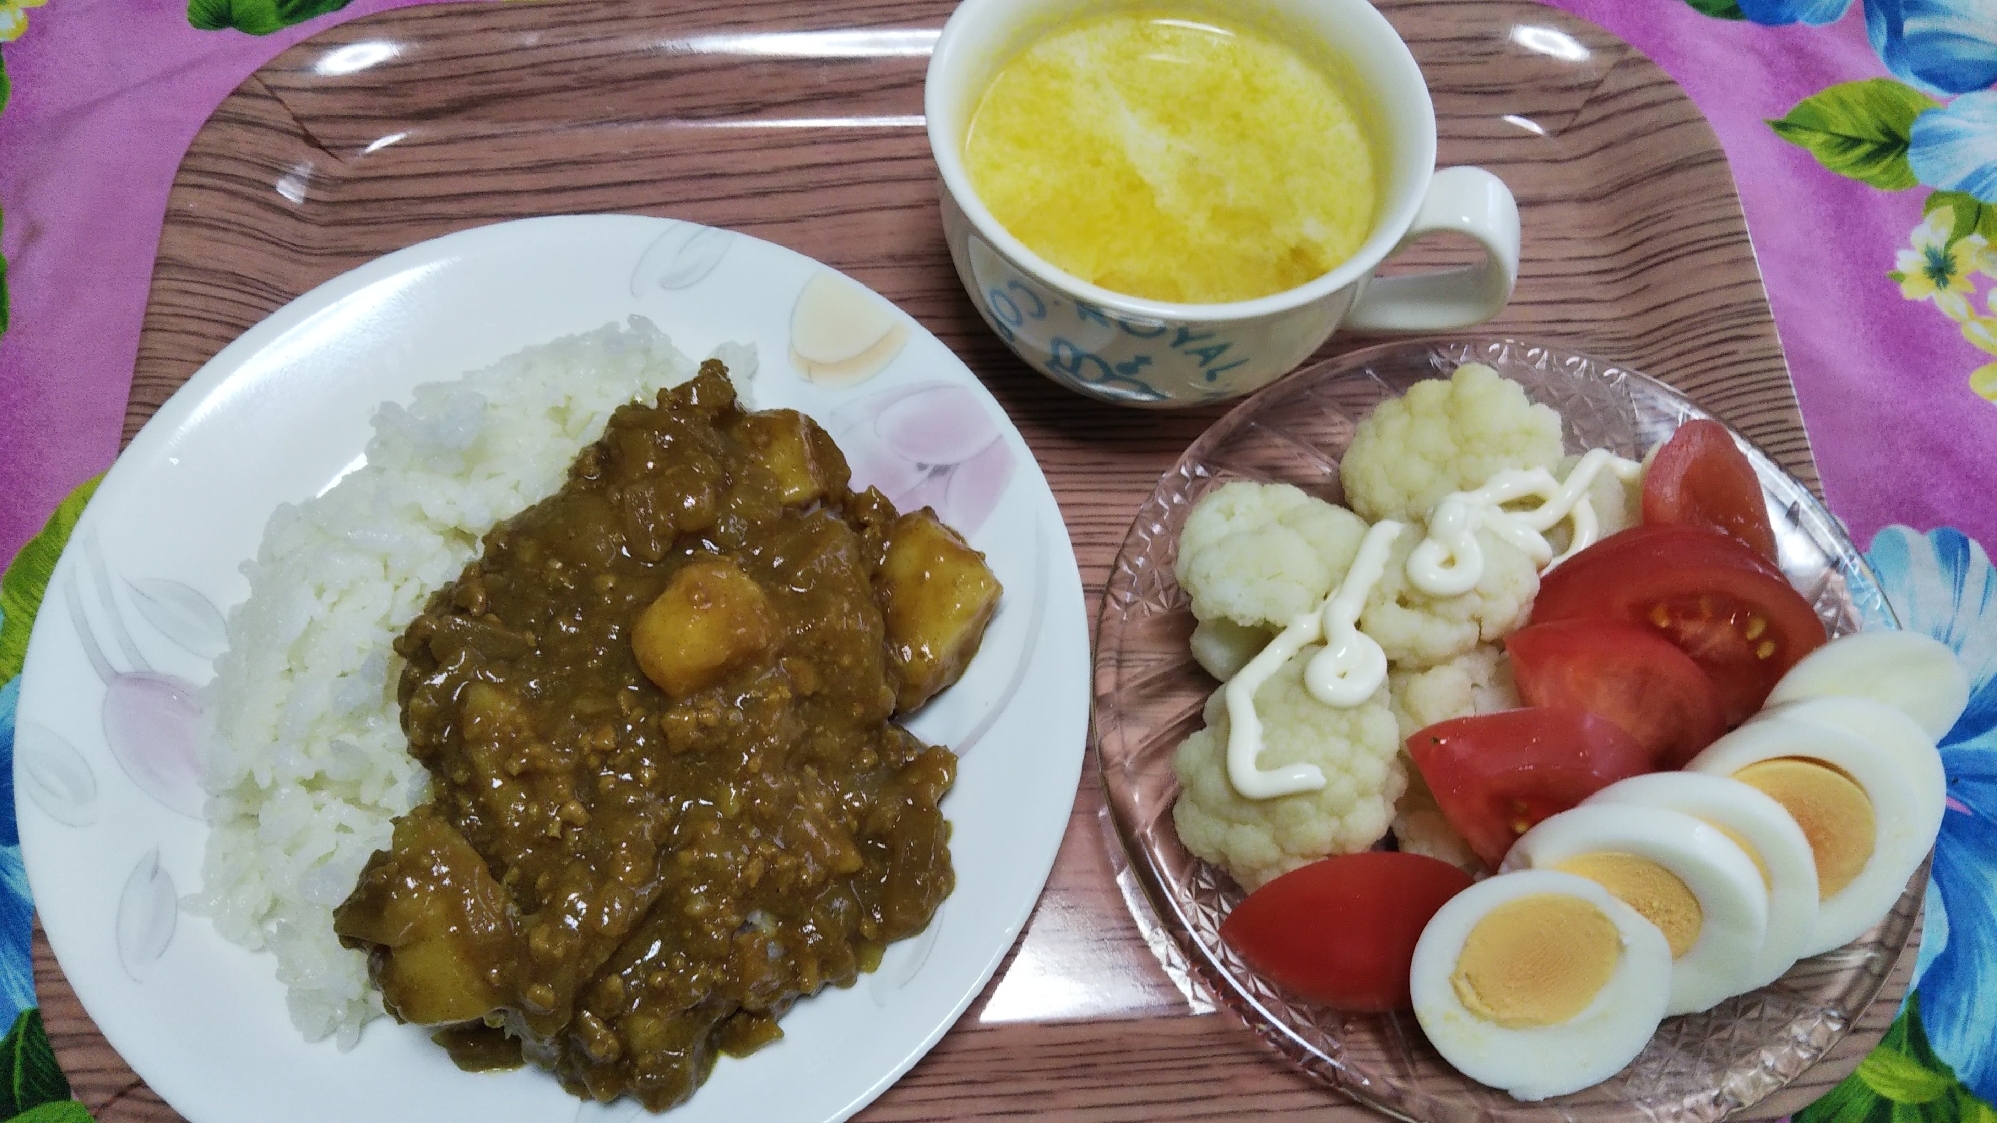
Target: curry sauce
[(668, 798)]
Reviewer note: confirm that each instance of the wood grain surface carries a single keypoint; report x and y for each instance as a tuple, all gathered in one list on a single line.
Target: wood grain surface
[(799, 122)]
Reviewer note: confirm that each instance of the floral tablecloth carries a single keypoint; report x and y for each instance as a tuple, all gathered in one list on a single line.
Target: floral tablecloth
[(1863, 136)]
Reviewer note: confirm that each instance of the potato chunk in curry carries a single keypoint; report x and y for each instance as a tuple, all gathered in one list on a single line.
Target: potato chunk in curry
[(938, 595), (667, 798), (806, 462), (711, 619), (434, 904)]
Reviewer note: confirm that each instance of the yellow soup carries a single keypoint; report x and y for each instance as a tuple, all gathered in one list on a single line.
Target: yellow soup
[(1174, 158)]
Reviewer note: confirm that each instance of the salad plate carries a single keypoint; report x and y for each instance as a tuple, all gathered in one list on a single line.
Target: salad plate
[(1149, 694), (107, 744)]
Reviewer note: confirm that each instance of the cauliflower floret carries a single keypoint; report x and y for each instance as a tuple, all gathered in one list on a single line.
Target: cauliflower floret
[(1421, 828), (1479, 681), (1222, 647), (1259, 554), (1420, 698), (1417, 630), (1257, 840), (1441, 437), (1618, 505), (1492, 687)]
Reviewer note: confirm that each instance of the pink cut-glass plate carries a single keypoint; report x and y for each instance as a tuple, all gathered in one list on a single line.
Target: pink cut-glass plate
[(1148, 695)]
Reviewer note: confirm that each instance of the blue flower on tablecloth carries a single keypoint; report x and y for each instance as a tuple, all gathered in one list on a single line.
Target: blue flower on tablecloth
[(1942, 583), (1944, 46), (1778, 12), (17, 980), (1954, 148)]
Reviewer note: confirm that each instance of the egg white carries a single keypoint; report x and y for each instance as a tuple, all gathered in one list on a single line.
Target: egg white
[(1767, 829), (1889, 756), (1719, 873), (1540, 1061), (1906, 670)]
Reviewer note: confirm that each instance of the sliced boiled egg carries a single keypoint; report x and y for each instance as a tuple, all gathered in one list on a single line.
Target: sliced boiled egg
[(1683, 875), (1539, 982), (1864, 783), (1906, 670), (1760, 827)]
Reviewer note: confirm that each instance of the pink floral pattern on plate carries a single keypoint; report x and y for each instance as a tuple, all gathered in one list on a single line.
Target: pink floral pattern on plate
[(151, 720), (930, 444)]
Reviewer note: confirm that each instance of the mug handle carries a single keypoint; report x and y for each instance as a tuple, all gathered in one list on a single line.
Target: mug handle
[(1469, 201)]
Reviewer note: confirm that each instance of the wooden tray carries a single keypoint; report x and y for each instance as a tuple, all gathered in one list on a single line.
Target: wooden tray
[(800, 122)]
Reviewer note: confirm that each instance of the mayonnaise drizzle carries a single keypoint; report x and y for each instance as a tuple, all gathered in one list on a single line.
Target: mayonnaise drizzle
[(1347, 672), (1450, 562), (1447, 563), (1351, 666)]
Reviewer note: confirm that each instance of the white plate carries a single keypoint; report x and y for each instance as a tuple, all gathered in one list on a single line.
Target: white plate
[(278, 416)]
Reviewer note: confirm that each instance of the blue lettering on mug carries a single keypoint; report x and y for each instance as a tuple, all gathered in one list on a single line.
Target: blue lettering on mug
[(1090, 314), (1186, 336), (1141, 329), (1207, 355), (1039, 309), (1095, 372), (1005, 314), (1071, 360)]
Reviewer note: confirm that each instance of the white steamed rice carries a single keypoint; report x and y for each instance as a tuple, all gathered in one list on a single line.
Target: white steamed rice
[(306, 764)]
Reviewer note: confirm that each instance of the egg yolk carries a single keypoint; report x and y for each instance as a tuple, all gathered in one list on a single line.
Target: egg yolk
[(1653, 891), (1834, 812), (1767, 880), (1536, 961)]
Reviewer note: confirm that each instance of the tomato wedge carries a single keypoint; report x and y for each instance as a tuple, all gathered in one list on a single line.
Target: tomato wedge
[(1495, 775), (1343, 931), (1630, 675), (1719, 602), (1702, 478)]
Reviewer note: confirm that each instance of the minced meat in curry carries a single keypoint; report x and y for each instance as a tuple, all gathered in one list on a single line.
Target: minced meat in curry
[(668, 798)]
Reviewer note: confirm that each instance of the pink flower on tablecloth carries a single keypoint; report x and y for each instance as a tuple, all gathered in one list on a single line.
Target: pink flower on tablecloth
[(932, 444)]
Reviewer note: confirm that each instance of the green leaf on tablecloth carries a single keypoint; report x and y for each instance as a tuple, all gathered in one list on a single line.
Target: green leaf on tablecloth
[(1973, 1110), (1972, 215), (1849, 1102), (28, 1068), (1941, 1110), (1720, 9), (27, 579), (68, 1111), (1859, 129), (258, 17), (1902, 1079), (6, 87)]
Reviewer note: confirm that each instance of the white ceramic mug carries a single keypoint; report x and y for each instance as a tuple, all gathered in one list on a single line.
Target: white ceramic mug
[(1153, 353)]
